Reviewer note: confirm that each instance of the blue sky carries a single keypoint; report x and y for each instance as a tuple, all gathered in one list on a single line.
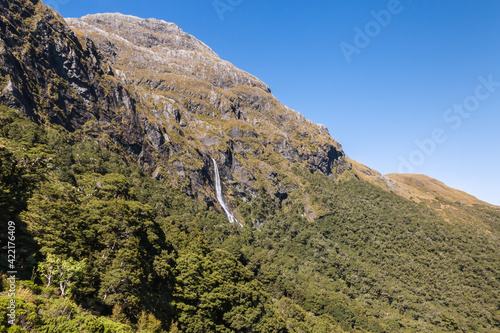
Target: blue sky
[(386, 77)]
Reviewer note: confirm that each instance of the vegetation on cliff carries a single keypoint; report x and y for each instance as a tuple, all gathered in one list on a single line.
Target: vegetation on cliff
[(155, 260), (106, 171)]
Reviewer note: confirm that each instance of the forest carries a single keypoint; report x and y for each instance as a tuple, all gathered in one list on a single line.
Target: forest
[(103, 247)]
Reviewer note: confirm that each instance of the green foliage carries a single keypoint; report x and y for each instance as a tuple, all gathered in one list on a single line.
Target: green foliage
[(53, 217), (135, 255), (21, 169), (215, 293), (375, 252), (39, 314), (259, 209), (148, 323), (298, 320), (133, 238), (12, 186), (62, 272)]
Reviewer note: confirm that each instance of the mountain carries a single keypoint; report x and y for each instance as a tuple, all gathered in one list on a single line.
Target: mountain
[(200, 106), (165, 97), (451, 204), (128, 146), (417, 187)]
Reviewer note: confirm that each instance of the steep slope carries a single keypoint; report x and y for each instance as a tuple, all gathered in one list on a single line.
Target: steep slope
[(166, 98), (373, 262), (452, 205), (54, 77), (203, 106), (82, 214), (427, 188), (51, 75), (416, 187), (140, 98)]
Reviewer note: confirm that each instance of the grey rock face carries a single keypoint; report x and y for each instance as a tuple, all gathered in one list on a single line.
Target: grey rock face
[(161, 94), (163, 47)]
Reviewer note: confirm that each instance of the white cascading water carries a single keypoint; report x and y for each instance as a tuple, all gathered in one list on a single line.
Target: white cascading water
[(220, 198)]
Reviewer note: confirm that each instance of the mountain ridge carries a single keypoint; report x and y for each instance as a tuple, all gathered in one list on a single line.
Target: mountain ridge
[(406, 184), (171, 103), (172, 90), (127, 147)]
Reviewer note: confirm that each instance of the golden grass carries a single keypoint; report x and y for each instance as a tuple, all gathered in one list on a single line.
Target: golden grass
[(453, 205)]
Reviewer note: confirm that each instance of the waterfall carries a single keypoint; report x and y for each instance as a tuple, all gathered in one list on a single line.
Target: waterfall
[(220, 198)]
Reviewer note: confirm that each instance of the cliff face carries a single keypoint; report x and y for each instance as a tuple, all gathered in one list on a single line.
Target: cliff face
[(162, 95), (53, 76)]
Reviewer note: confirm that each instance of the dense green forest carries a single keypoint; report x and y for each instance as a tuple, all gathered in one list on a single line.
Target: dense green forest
[(103, 247)]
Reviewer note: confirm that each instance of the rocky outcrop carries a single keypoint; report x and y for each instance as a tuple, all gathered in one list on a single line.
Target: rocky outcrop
[(164, 96), (51, 75), (161, 47)]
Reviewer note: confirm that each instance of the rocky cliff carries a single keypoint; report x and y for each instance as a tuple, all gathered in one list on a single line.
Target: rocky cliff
[(53, 76), (163, 96)]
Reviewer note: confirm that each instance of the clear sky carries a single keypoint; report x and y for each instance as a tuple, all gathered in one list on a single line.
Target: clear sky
[(409, 86)]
